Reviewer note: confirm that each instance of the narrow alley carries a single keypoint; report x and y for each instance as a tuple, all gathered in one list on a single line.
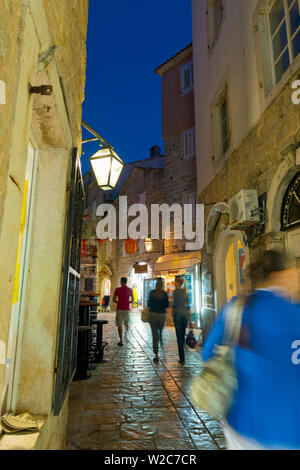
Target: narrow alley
[(130, 403)]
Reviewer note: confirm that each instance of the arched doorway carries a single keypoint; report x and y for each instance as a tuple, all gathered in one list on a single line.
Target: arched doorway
[(230, 259), (290, 217), (106, 287), (136, 281)]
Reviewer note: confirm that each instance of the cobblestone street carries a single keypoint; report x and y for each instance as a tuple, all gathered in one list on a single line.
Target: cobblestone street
[(132, 403)]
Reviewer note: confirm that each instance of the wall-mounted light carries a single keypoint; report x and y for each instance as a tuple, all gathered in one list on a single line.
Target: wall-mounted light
[(148, 244), (107, 167), (106, 164)]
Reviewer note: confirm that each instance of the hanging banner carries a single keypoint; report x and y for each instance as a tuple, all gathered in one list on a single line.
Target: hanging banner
[(83, 247), (130, 246)]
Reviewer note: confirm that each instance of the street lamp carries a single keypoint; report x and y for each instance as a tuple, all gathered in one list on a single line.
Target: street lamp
[(107, 167), (106, 164), (148, 244)]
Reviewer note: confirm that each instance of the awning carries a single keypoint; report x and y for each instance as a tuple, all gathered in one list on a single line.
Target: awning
[(178, 262)]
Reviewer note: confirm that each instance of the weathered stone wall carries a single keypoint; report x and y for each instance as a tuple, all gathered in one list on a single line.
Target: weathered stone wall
[(141, 180), (252, 165), (68, 23), (180, 179), (27, 30)]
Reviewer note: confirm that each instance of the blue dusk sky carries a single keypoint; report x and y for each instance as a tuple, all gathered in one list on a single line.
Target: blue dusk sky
[(126, 41)]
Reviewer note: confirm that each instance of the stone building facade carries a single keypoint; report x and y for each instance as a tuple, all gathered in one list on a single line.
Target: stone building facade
[(143, 183), (42, 42), (258, 145), (102, 249), (178, 124)]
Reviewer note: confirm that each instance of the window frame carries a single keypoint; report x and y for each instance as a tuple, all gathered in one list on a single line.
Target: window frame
[(211, 41), (190, 66), (266, 48), (218, 138)]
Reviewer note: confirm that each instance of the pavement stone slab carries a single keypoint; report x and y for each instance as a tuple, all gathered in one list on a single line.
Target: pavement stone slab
[(131, 403)]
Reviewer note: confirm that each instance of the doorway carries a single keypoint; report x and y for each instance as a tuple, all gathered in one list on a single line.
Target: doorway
[(20, 282)]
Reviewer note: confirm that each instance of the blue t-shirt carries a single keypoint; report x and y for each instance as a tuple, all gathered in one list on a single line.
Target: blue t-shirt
[(266, 405)]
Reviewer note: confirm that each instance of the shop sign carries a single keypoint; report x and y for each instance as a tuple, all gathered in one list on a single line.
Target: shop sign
[(172, 273), (141, 268)]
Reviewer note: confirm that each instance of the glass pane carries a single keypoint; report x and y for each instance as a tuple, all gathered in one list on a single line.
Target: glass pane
[(224, 129), (101, 168), (187, 80), (276, 15), (279, 41), (282, 65), (296, 44), (295, 18), (224, 111), (116, 169)]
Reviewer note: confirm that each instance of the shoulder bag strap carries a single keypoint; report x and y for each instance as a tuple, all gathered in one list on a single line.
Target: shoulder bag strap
[(233, 321)]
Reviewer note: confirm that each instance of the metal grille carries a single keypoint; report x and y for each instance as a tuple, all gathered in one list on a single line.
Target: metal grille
[(68, 328)]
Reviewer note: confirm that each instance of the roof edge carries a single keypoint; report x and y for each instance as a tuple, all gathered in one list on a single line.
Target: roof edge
[(174, 60)]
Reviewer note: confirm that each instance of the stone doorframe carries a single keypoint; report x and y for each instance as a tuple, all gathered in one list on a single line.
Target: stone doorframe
[(212, 222), (290, 166), (226, 238)]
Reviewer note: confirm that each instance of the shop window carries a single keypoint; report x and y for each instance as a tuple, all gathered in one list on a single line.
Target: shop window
[(187, 78), (279, 28), (214, 18), (189, 142)]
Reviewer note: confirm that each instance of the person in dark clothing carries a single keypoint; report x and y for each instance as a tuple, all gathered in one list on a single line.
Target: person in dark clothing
[(181, 315), (158, 303)]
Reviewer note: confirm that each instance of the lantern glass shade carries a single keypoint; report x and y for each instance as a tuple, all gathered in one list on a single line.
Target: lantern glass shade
[(107, 167), (148, 244)]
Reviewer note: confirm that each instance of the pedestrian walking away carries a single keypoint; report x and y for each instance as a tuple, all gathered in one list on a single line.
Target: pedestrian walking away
[(265, 411), (181, 315), (123, 297), (158, 303)]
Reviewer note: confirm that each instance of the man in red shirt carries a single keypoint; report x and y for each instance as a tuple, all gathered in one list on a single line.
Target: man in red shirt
[(123, 297)]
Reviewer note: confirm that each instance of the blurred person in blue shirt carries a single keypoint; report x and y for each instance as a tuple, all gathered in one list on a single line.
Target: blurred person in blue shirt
[(265, 413)]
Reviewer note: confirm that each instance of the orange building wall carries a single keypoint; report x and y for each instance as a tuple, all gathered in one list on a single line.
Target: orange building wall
[(177, 111)]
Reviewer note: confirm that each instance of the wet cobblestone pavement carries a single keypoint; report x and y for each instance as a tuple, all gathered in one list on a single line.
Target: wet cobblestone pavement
[(131, 403)]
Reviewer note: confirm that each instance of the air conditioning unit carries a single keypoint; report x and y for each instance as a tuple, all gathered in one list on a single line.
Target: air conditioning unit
[(244, 209)]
